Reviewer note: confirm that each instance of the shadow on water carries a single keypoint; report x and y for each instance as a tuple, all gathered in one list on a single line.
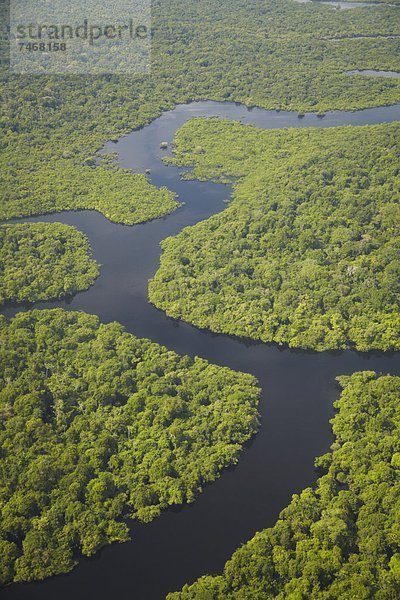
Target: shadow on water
[(298, 387)]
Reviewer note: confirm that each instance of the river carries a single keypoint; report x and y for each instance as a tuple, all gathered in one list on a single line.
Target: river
[(298, 387), (346, 5), (374, 73)]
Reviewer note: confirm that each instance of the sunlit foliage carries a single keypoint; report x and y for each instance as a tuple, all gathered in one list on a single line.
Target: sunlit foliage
[(43, 261), (308, 252), (271, 53), (341, 539), (97, 425)]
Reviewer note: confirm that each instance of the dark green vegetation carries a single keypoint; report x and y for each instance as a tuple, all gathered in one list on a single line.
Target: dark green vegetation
[(96, 425), (121, 196), (372, 2), (275, 54), (389, 2), (308, 253), (341, 539), (43, 261)]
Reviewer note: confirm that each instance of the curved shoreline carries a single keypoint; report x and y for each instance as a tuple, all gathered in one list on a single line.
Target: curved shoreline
[(298, 386)]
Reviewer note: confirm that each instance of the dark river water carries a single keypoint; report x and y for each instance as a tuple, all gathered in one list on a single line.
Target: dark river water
[(298, 387)]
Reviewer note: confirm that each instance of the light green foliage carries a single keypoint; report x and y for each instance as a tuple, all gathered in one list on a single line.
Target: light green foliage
[(389, 2), (308, 252), (271, 53), (121, 196), (341, 540), (43, 261), (96, 425)]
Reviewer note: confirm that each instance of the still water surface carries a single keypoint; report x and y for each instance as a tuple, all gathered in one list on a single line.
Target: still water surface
[(345, 5), (374, 73), (298, 387)]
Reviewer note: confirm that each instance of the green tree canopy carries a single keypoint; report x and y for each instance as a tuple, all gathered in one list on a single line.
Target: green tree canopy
[(341, 539), (97, 425), (43, 261), (307, 254)]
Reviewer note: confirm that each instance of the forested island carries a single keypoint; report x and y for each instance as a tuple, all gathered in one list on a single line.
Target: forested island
[(307, 253), (272, 54), (98, 425), (43, 261), (121, 196), (100, 428), (339, 540)]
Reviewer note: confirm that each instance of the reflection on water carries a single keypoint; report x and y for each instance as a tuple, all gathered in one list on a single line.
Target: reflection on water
[(298, 388)]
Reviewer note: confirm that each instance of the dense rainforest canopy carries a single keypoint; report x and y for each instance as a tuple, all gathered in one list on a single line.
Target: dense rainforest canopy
[(271, 53), (121, 196), (341, 539), (96, 425), (389, 2), (43, 261), (308, 252)]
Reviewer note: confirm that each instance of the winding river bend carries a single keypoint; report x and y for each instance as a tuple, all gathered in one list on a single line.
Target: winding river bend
[(298, 387)]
